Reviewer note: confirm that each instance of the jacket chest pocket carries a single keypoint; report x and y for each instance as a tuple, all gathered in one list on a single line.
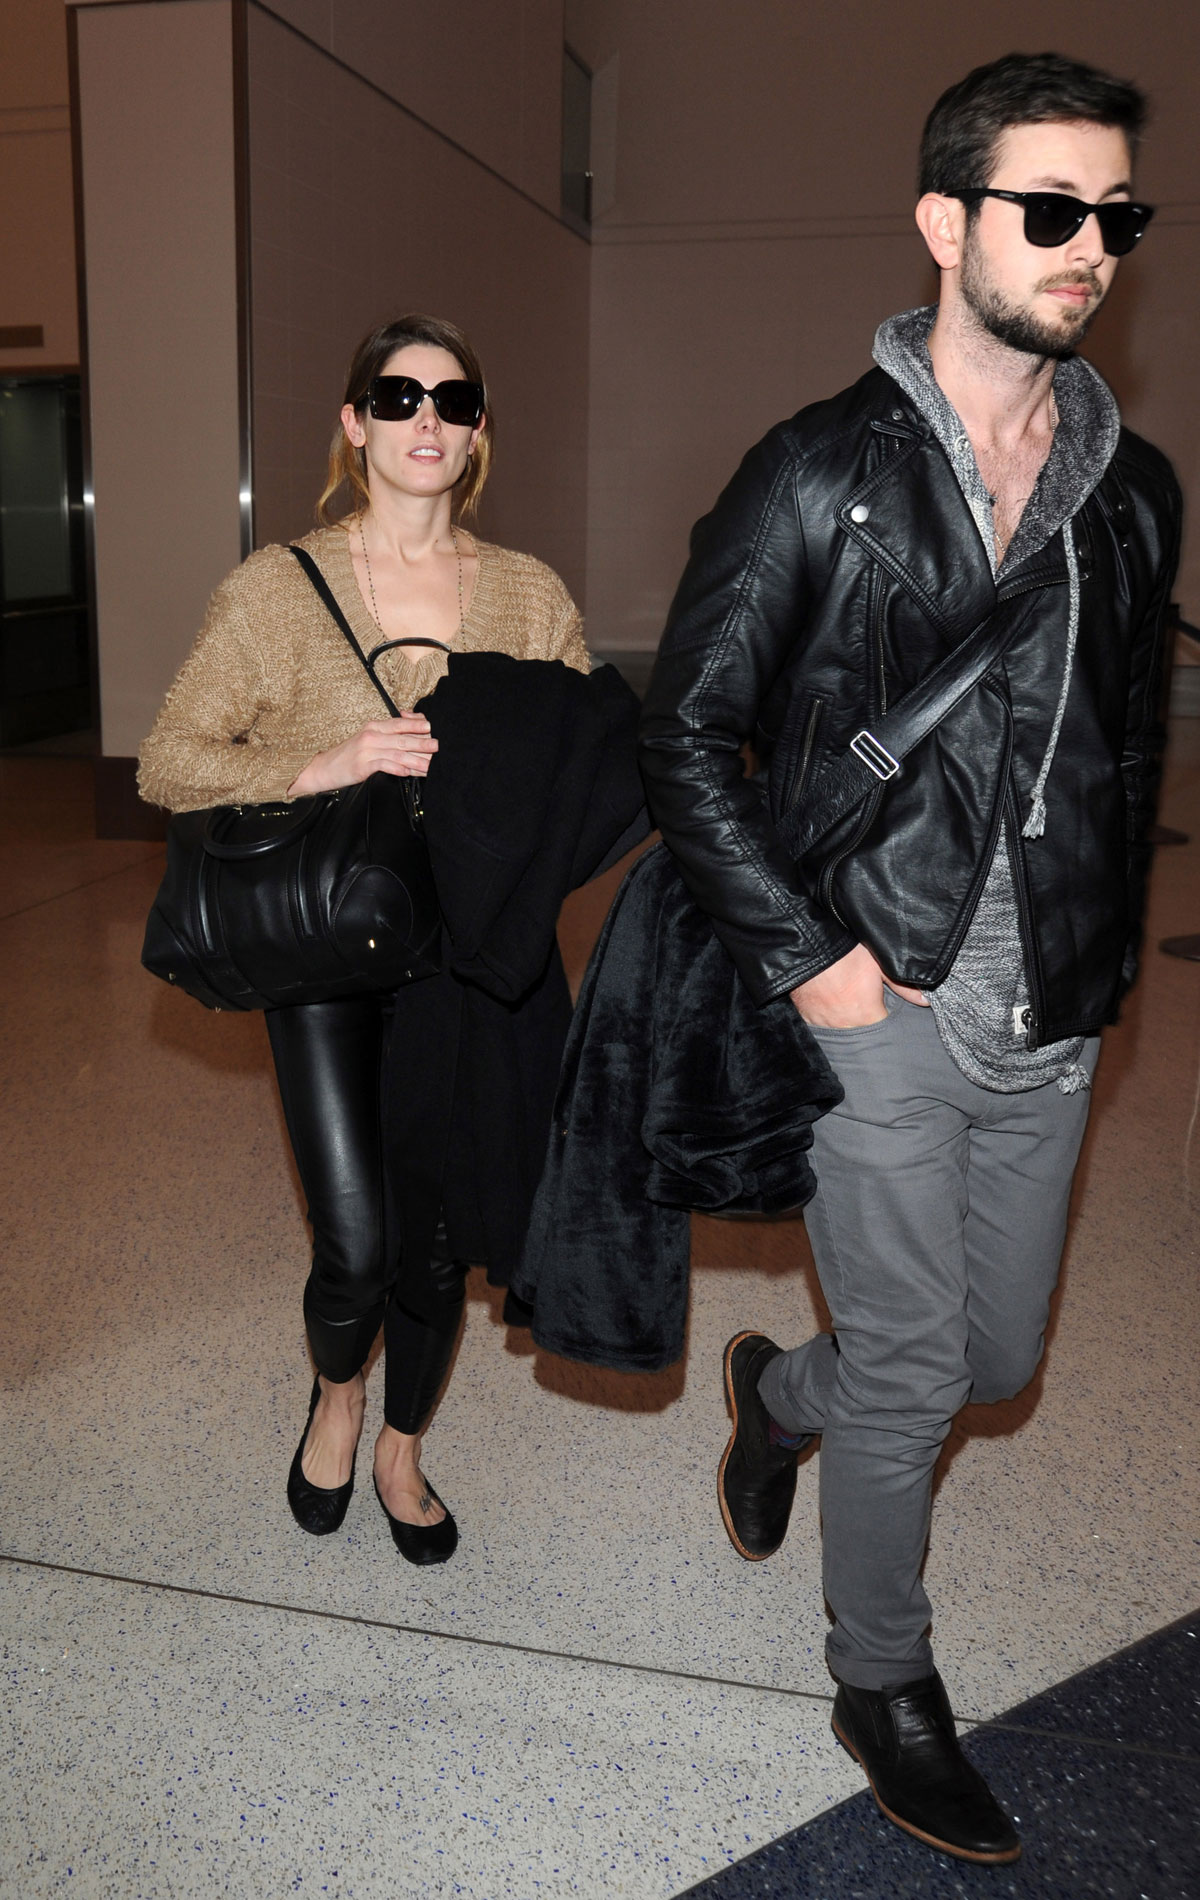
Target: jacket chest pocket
[(798, 753)]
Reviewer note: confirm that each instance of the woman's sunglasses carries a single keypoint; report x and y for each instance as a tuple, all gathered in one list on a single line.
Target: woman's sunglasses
[(1052, 217), (398, 398)]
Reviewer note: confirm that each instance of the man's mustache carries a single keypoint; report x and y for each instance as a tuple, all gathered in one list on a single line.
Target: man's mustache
[(1062, 278)]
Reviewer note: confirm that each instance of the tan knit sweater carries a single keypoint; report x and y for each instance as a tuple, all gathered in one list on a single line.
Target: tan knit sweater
[(270, 681)]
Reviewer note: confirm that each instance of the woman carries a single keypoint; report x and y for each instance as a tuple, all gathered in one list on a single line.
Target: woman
[(271, 703)]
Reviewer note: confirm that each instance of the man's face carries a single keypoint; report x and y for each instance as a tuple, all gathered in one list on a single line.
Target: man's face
[(1042, 301)]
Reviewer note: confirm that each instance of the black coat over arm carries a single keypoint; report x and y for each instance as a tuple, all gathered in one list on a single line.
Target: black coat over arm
[(534, 790), (677, 1092)]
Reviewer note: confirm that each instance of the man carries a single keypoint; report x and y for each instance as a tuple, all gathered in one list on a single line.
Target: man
[(957, 926)]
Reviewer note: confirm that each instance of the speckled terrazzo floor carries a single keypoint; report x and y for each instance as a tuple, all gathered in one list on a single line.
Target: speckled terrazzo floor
[(597, 1696), (1102, 1774)]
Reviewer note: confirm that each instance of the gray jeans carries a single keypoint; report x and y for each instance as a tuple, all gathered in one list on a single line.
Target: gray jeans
[(937, 1227)]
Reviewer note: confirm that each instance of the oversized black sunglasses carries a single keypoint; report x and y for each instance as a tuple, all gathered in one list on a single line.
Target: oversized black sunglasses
[(1053, 217), (398, 398)]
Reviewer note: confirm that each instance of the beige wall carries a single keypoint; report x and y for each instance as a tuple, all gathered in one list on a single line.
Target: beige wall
[(37, 219), (359, 205), (761, 225), (754, 191), (156, 138), (485, 73), (359, 211)]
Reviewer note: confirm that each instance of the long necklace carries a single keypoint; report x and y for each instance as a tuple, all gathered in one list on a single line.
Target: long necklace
[(371, 584)]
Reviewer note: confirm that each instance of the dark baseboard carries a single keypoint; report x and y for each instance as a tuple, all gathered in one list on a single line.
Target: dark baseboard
[(120, 813)]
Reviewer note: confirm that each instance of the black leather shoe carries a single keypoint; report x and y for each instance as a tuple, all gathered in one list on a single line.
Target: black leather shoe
[(423, 1543), (316, 1509), (757, 1480), (905, 1739)]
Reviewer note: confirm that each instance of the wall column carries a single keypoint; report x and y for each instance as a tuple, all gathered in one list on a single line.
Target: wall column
[(159, 294)]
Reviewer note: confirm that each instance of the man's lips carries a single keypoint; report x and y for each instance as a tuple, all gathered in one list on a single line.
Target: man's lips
[(1076, 293)]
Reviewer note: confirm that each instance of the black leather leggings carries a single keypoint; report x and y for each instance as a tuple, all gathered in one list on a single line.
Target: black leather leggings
[(331, 1061)]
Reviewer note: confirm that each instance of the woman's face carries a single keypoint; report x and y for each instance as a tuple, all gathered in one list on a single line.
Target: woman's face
[(424, 455)]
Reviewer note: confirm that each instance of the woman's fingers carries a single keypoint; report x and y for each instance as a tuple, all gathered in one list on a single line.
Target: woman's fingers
[(404, 722), (402, 746), (377, 754), (402, 764), (405, 749), (386, 735), (402, 754)]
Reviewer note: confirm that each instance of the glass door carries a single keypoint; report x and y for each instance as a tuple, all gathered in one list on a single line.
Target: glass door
[(45, 687)]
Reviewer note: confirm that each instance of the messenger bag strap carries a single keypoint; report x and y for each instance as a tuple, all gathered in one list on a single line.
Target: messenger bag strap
[(369, 660), (876, 754)]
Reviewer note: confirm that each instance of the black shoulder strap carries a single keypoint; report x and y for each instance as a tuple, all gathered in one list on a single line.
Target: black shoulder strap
[(874, 756), (369, 660)]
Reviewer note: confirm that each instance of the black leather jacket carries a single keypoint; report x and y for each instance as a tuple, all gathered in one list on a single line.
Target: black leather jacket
[(839, 565)]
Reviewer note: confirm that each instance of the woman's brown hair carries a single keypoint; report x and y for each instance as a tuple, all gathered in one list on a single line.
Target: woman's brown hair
[(348, 465)]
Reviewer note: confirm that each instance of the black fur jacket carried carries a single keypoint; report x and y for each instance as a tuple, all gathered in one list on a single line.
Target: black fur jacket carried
[(677, 1091), (534, 790)]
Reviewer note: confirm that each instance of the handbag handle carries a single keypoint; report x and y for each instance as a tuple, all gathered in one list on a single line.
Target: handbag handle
[(298, 815), (371, 659)]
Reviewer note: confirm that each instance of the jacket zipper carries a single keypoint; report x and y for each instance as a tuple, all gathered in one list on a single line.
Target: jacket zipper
[(825, 881), (812, 721), (954, 943), (879, 699), (1035, 1015), (1035, 584), (876, 638)]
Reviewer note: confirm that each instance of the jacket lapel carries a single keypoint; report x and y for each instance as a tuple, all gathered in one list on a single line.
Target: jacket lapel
[(911, 516)]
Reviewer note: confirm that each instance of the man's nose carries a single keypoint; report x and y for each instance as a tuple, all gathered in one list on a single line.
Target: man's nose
[(1087, 245)]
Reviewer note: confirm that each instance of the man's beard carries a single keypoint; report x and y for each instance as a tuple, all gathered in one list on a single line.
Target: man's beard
[(1021, 329)]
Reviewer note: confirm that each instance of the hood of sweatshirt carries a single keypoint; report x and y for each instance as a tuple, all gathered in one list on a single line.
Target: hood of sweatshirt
[(1085, 440), (1084, 444)]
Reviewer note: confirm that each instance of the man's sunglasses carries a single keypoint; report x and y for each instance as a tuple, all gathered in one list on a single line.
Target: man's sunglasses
[(398, 398), (1052, 217)]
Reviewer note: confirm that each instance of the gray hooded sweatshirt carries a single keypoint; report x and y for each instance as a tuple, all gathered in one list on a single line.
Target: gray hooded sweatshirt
[(979, 1005)]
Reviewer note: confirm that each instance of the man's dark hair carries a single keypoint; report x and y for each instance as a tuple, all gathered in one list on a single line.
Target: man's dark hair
[(958, 145)]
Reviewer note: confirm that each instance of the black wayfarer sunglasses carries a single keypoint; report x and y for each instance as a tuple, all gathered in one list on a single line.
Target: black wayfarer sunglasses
[(398, 398), (1053, 217)]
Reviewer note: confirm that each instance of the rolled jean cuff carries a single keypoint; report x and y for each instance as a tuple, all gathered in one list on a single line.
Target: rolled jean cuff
[(863, 1673), (773, 1391)]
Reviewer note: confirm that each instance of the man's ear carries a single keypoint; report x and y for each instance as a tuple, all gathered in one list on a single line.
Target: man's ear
[(942, 223)]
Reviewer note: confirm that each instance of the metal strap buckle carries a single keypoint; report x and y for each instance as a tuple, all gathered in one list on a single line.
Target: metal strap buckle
[(867, 747)]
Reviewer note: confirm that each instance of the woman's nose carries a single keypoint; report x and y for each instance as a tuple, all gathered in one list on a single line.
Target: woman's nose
[(427, 416)]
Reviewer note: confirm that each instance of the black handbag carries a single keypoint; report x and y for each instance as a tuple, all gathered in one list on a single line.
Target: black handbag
[(300, 901)]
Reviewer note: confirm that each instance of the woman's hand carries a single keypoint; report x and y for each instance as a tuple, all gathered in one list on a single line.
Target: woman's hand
[(402, 746)]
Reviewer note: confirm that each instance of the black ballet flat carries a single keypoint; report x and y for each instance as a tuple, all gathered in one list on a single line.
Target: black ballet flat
[(317, 1510), (423, 1543)]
